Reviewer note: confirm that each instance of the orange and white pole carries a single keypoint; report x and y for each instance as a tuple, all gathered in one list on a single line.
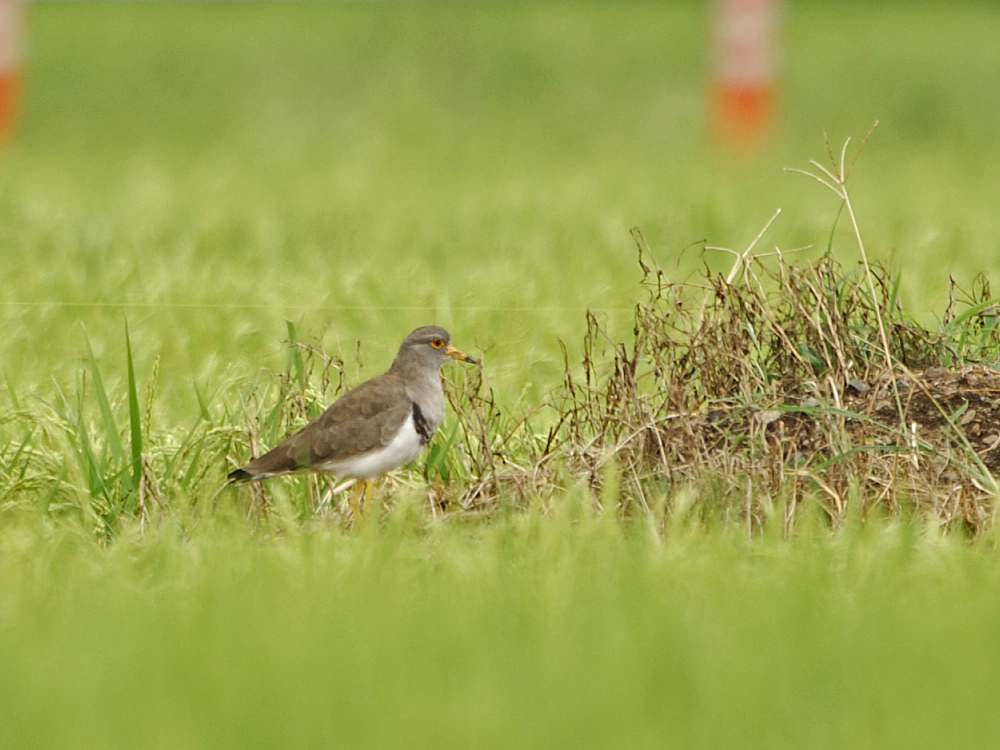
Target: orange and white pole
[(11, 59), (745, 69)]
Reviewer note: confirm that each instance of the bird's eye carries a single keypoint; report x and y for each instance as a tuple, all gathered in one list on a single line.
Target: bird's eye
[(437, 343)]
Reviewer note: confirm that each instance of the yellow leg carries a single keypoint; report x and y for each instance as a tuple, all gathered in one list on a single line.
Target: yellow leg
[(353, 498), (365, 492), (360, 501), (366, 503)]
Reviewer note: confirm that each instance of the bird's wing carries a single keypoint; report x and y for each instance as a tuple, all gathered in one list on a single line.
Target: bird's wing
[(362, 420)]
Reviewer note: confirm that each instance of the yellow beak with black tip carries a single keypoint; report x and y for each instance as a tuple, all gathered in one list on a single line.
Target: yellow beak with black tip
[(461, 356)]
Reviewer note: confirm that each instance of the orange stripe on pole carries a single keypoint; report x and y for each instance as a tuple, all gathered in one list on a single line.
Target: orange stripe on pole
[(744, 76), (10, 101), (11, 57)]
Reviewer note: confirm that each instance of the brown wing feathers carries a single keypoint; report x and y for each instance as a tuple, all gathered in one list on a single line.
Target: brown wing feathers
[(363, 419)]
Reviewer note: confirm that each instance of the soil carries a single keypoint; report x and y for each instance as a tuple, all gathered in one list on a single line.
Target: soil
[(940, 408)]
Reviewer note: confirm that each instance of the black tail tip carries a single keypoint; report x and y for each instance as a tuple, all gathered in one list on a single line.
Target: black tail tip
[(239, 476)]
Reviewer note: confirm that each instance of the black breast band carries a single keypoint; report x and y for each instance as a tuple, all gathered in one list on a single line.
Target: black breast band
[(420, 422)]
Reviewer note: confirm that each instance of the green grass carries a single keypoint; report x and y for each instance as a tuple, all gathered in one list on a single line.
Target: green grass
[(362, 169), (566, 631), (209, 172)]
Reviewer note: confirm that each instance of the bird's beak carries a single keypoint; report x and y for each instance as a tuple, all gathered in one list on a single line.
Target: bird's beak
[(460, 355)]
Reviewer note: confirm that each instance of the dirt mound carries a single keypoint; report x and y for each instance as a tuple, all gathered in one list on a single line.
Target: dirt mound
[(941, 409), (788, 381)]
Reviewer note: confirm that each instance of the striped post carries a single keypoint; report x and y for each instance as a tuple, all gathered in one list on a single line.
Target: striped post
[(744, 76), (11, 58)]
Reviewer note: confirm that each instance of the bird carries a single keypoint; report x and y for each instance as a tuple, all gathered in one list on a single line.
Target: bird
[(379, 425)]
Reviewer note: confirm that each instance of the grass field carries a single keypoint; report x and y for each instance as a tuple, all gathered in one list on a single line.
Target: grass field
[(531, 632), (210, 172)]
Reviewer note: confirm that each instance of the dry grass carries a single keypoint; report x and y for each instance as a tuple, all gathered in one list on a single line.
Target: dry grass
[(773, 386), (776, 384)]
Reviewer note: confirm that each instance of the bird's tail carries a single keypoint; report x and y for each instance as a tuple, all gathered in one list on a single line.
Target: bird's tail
[(240, 476)]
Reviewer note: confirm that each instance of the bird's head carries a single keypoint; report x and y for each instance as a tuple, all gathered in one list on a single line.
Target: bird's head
[(431, 346)]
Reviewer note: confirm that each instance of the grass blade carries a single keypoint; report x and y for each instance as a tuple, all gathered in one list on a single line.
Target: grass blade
[(10, 390), (437, 456), (202, 403), (110, 428), (296, 367), (135, 421)]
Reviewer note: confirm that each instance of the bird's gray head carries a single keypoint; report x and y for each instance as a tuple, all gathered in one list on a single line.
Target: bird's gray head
[(430, 346)]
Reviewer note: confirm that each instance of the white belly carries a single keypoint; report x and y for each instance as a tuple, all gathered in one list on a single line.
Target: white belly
[(404, 448)]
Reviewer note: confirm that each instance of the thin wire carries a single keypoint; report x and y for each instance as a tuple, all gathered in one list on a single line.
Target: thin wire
[(237, 306)]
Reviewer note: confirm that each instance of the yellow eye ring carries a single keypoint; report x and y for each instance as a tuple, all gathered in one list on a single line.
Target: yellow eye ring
[(437, 343)]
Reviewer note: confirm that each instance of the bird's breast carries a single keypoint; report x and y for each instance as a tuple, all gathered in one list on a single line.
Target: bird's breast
[(405, 446), (428, 397)]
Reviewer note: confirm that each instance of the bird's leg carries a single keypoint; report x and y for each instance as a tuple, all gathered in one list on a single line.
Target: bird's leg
[(353, 498), (366, 503)]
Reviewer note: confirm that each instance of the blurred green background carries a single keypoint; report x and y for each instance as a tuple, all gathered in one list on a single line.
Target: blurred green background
[(209, 170)]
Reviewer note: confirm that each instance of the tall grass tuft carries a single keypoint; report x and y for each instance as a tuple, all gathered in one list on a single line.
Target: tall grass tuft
[(793, 383)]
